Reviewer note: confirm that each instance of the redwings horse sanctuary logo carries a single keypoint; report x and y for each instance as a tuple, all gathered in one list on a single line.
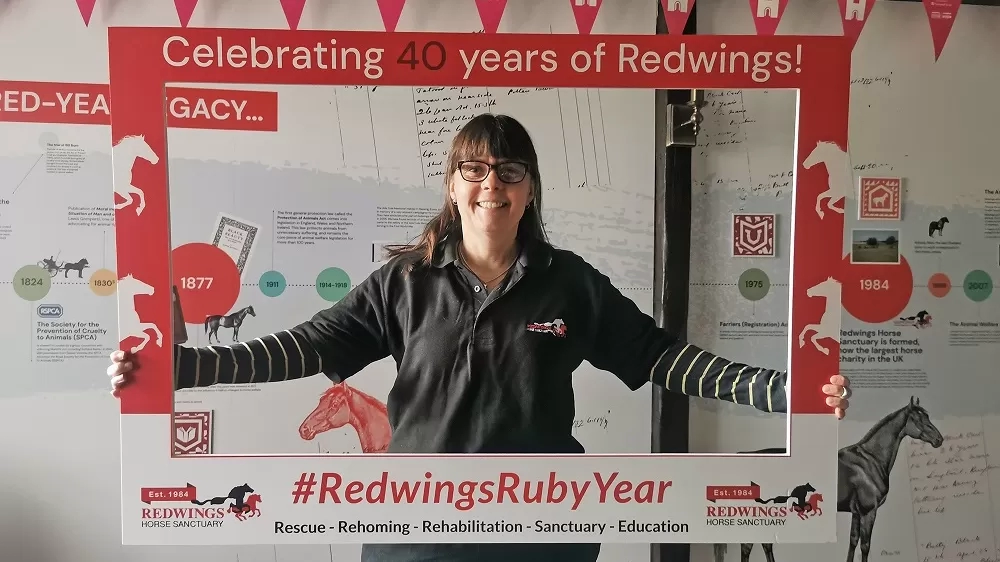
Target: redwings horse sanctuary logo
[(744, 505), (183, 507)]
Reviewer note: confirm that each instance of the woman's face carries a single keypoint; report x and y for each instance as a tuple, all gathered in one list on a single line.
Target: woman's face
[(491, 195)]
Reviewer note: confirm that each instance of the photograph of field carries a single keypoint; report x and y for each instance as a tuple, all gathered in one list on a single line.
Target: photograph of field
[(875, 246)]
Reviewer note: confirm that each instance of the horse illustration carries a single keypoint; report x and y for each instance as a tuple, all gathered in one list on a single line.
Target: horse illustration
[(829, 323), (123, 155), (343, 405), (250, 507), (863, 471), (811, 508), (921, 320), (78, 267), (938, 226), (840, 176), (215, 321), (129, 323), (238, 494), (798, 493)]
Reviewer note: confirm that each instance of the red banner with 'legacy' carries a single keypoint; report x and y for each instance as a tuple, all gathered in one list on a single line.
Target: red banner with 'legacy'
[(187, 108)]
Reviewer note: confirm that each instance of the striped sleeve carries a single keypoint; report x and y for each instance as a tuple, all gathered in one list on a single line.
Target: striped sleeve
[(690, 370), (625, 341), (276, 357)]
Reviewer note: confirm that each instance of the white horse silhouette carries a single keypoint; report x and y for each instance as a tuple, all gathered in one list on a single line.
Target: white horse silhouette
[(129, 323), (123, 157), (829, 323), (840, 176)]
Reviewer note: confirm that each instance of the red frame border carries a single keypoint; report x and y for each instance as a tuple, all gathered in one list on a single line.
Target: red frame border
[(139, 72)]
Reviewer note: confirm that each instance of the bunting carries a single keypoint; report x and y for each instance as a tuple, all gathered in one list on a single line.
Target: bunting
[(676, 14), (491, 12), (185, 8), (293, 11), (854, 14), (941, 16), (585, 12), (86, 9), (390, 10), (767, 14)]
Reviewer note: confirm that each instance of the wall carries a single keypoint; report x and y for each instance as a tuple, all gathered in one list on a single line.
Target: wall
[(61, 497), (932, 124), (927, 122)]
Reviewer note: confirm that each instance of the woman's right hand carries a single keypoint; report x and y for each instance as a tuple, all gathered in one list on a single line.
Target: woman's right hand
[(121, 364)]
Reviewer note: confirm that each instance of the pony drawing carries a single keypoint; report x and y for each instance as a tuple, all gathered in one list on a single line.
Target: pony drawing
[(129, 323), (863, 471), (840, 176), (829, 323), (937, 226), (342, 405), (78, 267), (123, 156)]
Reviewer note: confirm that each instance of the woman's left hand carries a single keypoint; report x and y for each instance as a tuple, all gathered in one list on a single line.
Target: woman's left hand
[(837, 393)]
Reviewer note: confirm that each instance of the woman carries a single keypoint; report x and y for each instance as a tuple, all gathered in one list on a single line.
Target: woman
[(486, 322)]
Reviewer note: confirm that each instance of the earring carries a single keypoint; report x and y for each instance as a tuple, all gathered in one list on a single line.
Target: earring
[(454, 202)]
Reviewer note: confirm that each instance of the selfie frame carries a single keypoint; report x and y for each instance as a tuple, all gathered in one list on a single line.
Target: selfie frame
[(349, 498)]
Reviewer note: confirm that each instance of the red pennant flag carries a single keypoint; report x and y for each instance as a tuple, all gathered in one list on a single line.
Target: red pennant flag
[(676, 13), (854, 14), (293, 11), (767, 14), (941, 15), (86, 9), (390, 10), (491, 12), (585, 12), (184, 10)]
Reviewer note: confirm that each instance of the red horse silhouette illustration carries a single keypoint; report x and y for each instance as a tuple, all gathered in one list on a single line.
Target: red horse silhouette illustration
[(249, 507), (811, 507), (344, 405)]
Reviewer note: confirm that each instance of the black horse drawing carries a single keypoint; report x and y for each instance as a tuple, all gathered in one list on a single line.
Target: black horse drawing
[(78, 267), (863, 471), (237, 494), (937, 225), (234, 321), (919, 320)]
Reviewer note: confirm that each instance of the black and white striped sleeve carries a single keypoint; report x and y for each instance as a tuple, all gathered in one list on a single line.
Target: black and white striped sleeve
[(338, 342), (690, 370), (277, 357), (625, 341)]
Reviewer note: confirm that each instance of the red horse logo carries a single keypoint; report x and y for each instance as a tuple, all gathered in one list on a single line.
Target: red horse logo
[(249, 507), (557, 327)]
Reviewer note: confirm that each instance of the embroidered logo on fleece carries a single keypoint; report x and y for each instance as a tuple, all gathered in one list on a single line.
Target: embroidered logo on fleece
[(556, 327)]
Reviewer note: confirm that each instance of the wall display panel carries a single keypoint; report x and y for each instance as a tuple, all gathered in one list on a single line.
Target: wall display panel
[(918, 336)]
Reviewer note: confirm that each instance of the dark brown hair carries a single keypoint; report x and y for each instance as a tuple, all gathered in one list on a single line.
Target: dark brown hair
[(501, 137)]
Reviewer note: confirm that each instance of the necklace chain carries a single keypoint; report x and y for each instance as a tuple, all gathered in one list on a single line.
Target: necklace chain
[(461, 256)]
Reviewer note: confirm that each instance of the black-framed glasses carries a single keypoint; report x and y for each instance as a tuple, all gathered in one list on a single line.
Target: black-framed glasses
[(507, 172)]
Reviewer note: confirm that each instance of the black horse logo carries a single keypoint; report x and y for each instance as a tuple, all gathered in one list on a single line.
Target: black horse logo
[(237, 494), (799, 493)]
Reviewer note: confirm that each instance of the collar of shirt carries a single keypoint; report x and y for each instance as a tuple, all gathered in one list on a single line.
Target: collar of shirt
[(534, 253)]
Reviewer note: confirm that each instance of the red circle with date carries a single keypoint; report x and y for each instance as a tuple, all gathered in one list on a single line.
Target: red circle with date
[(939, 285), (207, 281), (876, 292)]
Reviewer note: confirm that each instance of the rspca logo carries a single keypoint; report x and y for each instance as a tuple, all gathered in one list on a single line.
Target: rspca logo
[(50, 310)]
